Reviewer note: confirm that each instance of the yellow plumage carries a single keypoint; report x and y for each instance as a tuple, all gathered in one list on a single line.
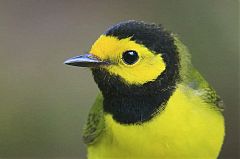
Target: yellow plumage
[(187, 128), (154, 104)]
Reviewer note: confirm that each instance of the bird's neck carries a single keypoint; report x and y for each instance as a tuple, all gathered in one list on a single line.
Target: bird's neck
[(135, 109), (133, 104)]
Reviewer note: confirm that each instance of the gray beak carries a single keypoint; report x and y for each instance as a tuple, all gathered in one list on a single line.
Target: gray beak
[(86, 60)]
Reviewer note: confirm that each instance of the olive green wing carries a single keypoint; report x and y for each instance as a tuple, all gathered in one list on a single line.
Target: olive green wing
[(95, 122), (193, 79), (208, 94)]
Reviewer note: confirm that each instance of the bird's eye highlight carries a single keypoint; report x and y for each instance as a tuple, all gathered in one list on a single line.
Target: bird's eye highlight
[(130, 57)]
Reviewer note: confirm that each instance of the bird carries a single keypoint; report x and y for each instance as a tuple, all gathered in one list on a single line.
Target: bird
[(152, 103)]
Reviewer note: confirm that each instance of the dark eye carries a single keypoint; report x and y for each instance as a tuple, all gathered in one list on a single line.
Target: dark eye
[(130, 57)]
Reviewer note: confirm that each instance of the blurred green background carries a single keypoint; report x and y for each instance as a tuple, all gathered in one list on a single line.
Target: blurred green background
[(43, 103)]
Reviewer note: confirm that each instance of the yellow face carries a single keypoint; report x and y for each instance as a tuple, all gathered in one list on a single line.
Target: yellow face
[(147, 67)]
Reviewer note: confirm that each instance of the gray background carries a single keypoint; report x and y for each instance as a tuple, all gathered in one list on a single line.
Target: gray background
[(43, 103)]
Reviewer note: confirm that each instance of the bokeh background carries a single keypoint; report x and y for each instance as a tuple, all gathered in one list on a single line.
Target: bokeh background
[(44, 104)]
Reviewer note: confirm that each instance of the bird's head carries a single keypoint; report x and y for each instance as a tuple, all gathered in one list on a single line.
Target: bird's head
[(133, 60)]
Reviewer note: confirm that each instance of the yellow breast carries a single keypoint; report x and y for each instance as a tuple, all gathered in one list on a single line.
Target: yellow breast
[(186, 128)]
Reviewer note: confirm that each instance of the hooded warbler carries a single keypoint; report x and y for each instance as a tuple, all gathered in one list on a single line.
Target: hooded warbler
[(153, 103)]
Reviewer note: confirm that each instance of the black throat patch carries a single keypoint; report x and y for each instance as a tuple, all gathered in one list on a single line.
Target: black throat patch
[(134, 104)]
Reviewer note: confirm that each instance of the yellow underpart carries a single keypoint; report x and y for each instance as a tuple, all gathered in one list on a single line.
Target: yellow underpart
[(188, 128), (149, 66)]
